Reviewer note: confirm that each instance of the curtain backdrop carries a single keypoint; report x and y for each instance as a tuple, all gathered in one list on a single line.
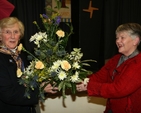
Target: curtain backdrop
[(95, 34)]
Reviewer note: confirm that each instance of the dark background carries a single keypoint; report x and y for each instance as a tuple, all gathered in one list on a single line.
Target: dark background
[(96, 35)]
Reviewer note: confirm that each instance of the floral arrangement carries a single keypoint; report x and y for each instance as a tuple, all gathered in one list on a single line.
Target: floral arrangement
[(51, 63)]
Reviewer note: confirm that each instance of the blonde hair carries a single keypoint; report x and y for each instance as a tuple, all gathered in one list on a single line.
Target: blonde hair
[(6, 22)]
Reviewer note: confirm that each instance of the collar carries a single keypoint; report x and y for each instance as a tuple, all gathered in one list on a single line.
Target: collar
[(8, 51), (136, 52), (123, 58)]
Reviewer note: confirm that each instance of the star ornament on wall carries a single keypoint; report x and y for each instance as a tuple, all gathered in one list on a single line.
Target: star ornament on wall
[(90, 9)]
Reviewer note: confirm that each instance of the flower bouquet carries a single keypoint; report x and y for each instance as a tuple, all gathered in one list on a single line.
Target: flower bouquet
[(51, 63)]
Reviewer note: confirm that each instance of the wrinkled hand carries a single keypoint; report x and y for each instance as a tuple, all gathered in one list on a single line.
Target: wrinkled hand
[(50, 89), (81, 87)]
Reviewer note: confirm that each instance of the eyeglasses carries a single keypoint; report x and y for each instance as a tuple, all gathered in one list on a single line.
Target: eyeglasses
[(8, 32)]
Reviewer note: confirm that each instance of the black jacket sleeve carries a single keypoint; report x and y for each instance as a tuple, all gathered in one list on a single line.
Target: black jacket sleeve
[(11, 92)]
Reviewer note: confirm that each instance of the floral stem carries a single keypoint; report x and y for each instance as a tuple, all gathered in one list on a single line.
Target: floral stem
[(29, 53)]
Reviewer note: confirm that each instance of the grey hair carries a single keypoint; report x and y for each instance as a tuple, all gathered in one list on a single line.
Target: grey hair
[(134, 29)]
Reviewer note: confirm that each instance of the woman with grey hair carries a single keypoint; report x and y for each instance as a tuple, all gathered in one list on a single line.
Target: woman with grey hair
[(119, 80)]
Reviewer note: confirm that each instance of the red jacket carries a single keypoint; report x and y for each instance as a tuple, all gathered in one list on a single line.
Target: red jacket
[(123, 93)]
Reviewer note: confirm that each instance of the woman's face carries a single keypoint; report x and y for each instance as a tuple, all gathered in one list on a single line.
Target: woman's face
[(10, 36), (125, 43)]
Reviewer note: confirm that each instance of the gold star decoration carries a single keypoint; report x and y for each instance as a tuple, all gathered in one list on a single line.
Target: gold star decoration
[(90, 9)]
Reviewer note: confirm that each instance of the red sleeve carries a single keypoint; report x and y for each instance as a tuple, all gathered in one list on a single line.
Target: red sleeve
[(103, 75), (126, 81), (6, 8)]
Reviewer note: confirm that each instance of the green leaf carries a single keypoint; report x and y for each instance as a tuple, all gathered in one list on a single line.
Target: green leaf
[(60, 86), (73, 89), (67, 84)]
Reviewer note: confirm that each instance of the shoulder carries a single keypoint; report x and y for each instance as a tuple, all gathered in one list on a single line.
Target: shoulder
[(6, 60), (4, 56), (138, 57), (115, 58), (112, 62)]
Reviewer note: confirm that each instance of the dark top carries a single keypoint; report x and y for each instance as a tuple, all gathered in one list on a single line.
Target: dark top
[(11, 93)]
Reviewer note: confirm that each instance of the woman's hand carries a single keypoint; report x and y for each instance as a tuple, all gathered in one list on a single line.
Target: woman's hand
[(50, 89), (81, 87)]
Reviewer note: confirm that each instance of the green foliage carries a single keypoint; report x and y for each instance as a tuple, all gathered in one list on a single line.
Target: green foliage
[(51, 62)]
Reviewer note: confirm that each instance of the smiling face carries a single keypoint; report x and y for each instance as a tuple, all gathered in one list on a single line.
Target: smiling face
[(126, 43), (10, 36)]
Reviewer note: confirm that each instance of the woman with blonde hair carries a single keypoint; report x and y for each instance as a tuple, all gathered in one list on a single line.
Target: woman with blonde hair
[(11, 92)]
